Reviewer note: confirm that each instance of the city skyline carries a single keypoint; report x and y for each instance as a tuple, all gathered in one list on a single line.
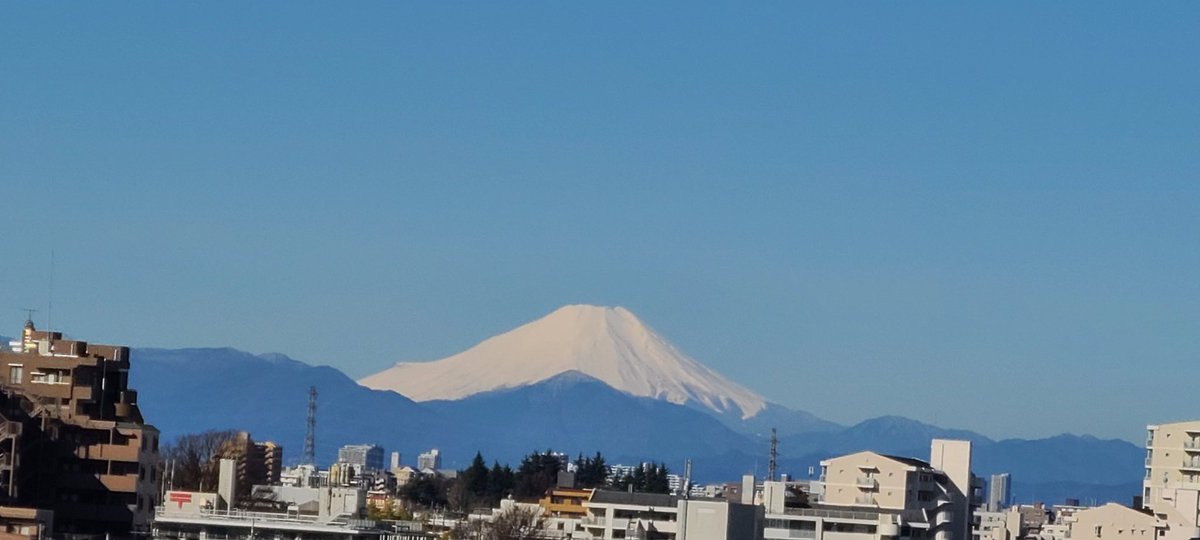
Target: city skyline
[(996, 202)]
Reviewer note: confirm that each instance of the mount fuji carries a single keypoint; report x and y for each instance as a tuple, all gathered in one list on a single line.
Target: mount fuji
[(581, 379), (608, 344)]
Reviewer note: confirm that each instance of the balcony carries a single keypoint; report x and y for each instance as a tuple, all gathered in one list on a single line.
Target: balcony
[(868, 500), (775, 532), (124, 483), (866, 482), (1191, 465), (1192, 445)]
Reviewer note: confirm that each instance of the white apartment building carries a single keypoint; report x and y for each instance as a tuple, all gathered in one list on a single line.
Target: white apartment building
[(988, 525), (872, 496), (1171, 488), (651, 516), (429, 461)]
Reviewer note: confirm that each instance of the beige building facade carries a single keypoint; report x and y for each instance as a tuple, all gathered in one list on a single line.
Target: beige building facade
[(872, 496), (1171, 487), (1114, 522)]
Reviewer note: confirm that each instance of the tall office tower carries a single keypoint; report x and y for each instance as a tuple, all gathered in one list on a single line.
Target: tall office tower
[(998, 490)]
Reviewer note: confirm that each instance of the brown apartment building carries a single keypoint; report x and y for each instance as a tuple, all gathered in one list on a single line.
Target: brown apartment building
[(257, 463), (75, 451)]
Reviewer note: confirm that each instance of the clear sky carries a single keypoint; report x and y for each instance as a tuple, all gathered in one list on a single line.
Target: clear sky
[(979, 215)]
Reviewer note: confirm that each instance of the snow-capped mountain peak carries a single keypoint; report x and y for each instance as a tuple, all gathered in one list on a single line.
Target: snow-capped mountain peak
[(608, 343)]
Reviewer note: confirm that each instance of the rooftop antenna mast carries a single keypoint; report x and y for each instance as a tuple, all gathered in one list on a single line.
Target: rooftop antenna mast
[(29, 314), (310, 442), (50, 295), (687, 479), (772, 465)]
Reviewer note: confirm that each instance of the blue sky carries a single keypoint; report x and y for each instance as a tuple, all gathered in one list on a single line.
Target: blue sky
[(995, 207)]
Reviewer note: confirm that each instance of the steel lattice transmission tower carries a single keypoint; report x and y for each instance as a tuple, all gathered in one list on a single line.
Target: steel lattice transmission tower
[(310, 438)]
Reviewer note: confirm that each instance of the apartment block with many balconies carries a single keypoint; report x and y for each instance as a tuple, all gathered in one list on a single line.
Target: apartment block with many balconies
[(1171, 487), (867, 495), (75, 442)]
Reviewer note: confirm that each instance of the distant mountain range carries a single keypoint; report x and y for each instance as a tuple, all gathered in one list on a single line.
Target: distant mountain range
[(610, 385)]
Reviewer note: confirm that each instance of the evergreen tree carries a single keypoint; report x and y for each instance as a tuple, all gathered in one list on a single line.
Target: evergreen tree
[(537, 473), (656, 479), (639, 478), (590, 472), (622, 482), (500, 483), (475, 479)]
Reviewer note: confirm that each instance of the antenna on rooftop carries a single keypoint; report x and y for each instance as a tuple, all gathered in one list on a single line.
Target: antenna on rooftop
[(28, 313), (771, 465), (687, 479), (310, 438), (50, 295)]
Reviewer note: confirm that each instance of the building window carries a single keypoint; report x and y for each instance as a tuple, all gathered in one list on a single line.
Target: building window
[(16, 373)]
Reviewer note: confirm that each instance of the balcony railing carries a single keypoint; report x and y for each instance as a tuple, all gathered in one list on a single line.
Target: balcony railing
[(1192, 444), (866, 482), (865, 499)]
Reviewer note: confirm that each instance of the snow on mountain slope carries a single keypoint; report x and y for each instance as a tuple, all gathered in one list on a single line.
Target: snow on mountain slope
[(609, 344)]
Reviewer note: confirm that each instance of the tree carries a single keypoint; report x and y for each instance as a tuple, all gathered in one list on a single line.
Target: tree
[(426, 490), (501, 481), (191, 461), (475, 479), (537, 473), (459, 499), (518, 523), (646, 478), (656, 479), (590, 472)]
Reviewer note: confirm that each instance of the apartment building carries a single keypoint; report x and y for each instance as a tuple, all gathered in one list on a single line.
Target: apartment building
[(364, 457), (429, 461), (72, 439), (1171, 487), (651, 516), (565, 502), (867, 495), (1114, 522), (987, 525), (258, 463)]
